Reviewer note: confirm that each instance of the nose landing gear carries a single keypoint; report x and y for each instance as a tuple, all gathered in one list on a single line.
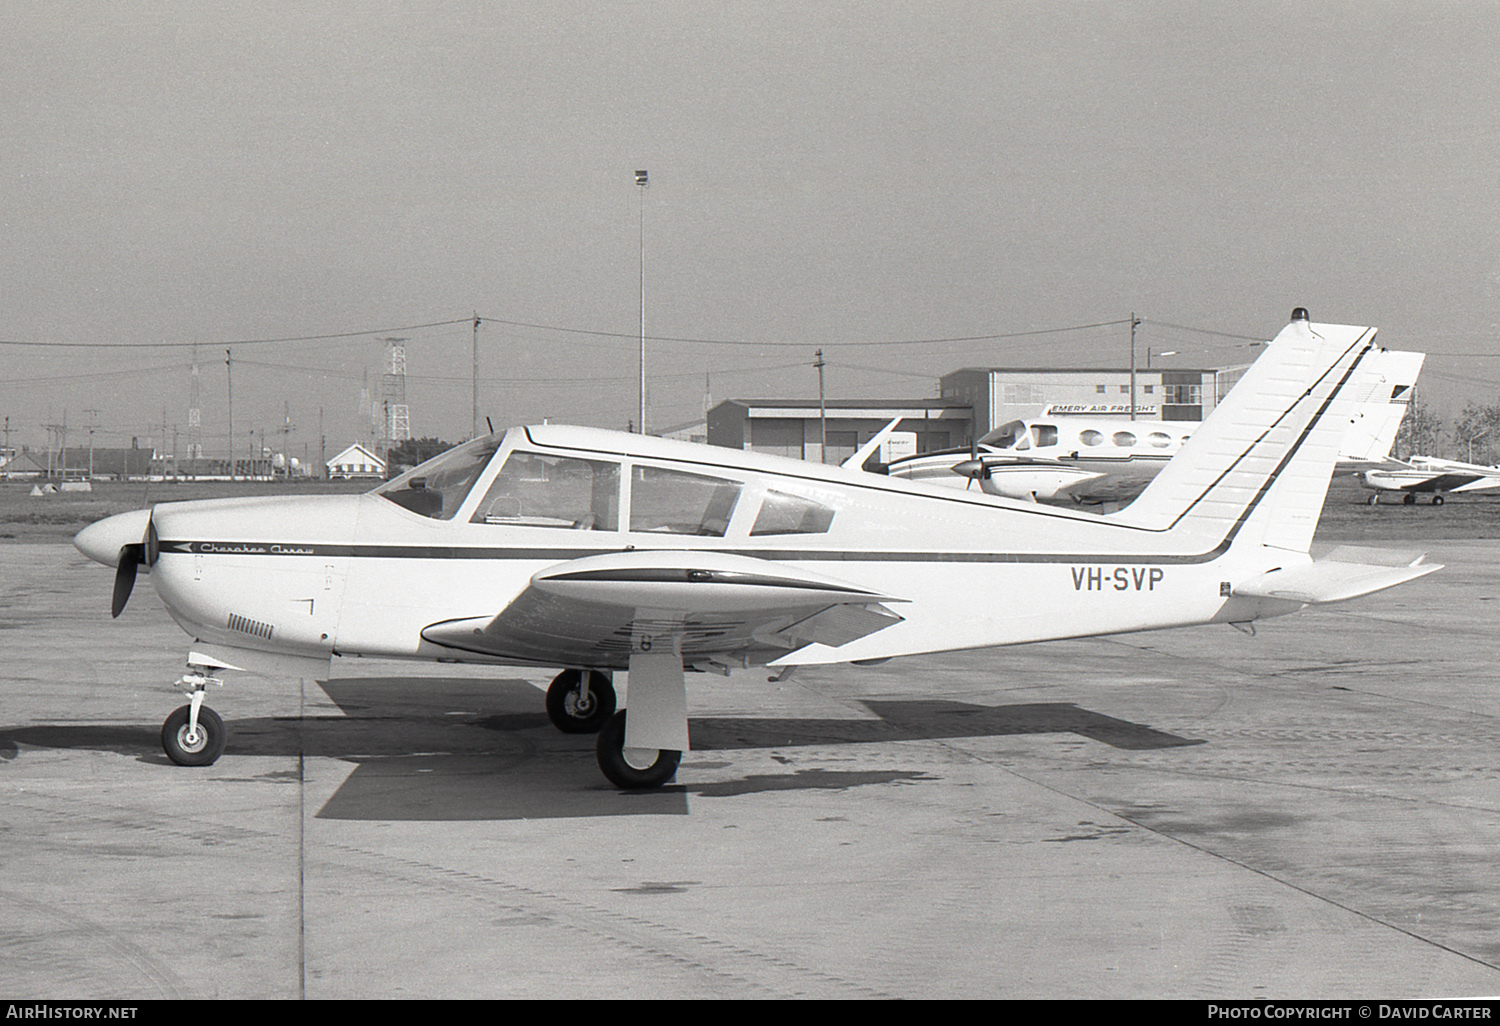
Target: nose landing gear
[(580, 701), (194, 734)]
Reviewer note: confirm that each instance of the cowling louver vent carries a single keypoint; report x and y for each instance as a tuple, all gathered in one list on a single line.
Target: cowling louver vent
[(245, 625)]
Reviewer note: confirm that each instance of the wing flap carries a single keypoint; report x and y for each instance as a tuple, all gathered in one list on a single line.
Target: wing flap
[(836, 626), (597, 610), (1345, 573)]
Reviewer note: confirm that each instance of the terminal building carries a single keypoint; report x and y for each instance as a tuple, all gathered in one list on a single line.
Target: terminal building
[(1001, 394), (973, 402), (799, 427)]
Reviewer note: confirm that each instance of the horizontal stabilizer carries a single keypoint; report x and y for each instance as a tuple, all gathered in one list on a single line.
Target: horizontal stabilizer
[(1345, 573)]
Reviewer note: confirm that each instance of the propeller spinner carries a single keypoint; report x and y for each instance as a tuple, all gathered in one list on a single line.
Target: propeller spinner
[(974, 470), (125, 541)]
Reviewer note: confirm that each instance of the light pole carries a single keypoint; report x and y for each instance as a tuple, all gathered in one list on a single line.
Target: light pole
[(641, 179)]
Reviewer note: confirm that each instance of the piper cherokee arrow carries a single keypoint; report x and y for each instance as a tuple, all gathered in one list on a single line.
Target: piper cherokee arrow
[(597, 552)]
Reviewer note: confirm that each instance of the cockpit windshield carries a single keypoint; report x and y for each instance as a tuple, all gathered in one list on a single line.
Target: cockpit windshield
[(438, 487), (1008, 436)]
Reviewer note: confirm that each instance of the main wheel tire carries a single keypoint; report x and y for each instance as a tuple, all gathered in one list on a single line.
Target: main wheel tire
[(202, 749), (574, 715), (1437, 500), (634, 769)]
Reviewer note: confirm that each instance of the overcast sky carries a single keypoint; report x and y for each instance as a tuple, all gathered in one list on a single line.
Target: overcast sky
[(821, 173)]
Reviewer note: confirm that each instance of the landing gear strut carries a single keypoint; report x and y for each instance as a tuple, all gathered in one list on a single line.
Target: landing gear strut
[(580, 701), (194, 734)]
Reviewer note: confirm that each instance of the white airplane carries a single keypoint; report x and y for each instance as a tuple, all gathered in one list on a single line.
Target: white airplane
[(1429, 474), (1096, 460), (597, 551)]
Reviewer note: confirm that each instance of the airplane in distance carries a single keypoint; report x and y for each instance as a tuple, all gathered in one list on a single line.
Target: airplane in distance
[(1096, 460), (598, 552), (1428, 475)]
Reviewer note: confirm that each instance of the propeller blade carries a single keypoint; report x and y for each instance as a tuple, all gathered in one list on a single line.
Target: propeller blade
[(130, 558), (125, 566), (150, 544)]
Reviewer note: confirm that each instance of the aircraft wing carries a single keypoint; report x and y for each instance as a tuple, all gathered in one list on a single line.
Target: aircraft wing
[(599, 610), (1428, 474), (1345, 573), (1479, 484), (1453, 476)]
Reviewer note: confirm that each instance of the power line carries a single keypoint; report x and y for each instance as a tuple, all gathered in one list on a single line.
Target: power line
[(229, 342), (593, 333)]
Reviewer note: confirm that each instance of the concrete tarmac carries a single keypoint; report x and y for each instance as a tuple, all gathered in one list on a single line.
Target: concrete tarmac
[(1309, 813)]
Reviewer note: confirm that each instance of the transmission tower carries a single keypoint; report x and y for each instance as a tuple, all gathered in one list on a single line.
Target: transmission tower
[(393, 397), (195, 417)]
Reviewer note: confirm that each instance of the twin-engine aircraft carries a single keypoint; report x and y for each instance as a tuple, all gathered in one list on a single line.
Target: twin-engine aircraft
[(595, 552), (1093, 461)]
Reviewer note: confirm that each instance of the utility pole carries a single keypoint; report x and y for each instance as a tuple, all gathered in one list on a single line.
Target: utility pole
[(229, 375), (641, 179), (92, 414), (474, 420), (1134, 320), (822, 413)]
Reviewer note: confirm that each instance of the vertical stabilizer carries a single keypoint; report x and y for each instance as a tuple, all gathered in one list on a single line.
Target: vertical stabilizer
[(1258, 468), (1374, 430)]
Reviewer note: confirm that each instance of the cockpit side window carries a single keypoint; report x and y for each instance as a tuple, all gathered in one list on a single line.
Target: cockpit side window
[(1044, 434), (673, 502), (538, 490), (791, 514), (438, 487)]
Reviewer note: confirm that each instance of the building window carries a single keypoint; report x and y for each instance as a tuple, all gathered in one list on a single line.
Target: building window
[(1182, 395)]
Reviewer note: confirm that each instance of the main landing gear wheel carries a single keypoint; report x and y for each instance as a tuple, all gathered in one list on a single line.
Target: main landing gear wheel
[(1408, 499), (187, 747), (1437, 500), (632, 769), (575, 710)]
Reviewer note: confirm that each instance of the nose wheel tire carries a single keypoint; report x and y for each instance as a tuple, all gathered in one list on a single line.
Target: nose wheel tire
[(193, 748), (632, 769), (580, 711)]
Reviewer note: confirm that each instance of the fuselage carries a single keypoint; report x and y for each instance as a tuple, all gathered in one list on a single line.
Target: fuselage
[(463, 535)]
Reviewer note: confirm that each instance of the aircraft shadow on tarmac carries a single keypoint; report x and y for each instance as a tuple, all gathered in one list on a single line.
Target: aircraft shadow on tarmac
[(463, 749)]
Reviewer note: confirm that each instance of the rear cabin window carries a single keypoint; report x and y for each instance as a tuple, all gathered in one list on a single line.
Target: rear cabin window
[(790, 514), (674, 502), (537, 490), (1124, 439), (1091, 437)]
